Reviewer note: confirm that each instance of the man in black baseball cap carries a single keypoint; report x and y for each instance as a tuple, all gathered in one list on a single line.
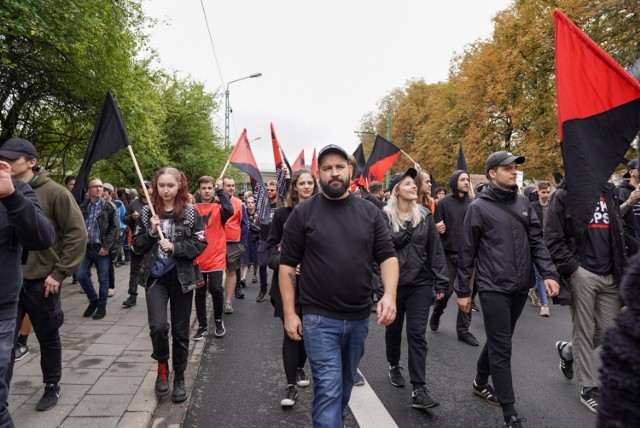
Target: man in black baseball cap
[(502, 158), (331, 148), (13, 148)]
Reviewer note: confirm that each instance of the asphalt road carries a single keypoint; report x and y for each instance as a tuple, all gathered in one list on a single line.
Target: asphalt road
[(241, 380)]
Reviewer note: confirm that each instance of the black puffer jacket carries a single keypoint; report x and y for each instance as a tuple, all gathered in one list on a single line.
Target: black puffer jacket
[(499, 245), (420, 254)]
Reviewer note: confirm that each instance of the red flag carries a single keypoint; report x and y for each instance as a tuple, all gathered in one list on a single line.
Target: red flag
[(280, 159), (382, 157), (314, 163), (299, 162), (598, 116), (242, 158)]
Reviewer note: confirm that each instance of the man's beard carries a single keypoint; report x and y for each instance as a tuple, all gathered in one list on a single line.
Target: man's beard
[(334, 192)]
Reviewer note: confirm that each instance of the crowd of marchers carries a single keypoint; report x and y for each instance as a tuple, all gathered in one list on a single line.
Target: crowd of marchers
[(338, 251)]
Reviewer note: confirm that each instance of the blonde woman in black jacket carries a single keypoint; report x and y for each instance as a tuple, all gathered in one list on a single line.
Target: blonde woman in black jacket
[(422, 263)]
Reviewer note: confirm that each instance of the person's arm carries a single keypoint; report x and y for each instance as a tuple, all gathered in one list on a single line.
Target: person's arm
[(555, 235), (244, 227), (128, 217), (143, 240), (73, 236), (275, 236), (111, 235), (435, 258), (540, 254), (195, 243), (470, 237), (226, 209), (385, 255), (292, 245)]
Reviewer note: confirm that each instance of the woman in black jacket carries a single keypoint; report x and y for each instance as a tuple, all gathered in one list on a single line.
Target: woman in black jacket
[(303, 186), (168, 272), (422, 263)]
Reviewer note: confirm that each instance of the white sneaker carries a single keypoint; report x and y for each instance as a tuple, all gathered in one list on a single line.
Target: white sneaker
[(535, 300), (544, 311), (228, 309)]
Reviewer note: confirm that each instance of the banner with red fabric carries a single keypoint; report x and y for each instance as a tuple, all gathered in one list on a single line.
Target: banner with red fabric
[(382, 158), (298, 163), (598, 116), (280, 159), (314, 163)]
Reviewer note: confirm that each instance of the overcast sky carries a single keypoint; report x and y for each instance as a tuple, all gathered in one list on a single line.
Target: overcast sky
[(324, 64)]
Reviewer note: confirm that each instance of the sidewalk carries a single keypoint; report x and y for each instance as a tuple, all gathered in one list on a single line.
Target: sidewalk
[(108, 375)]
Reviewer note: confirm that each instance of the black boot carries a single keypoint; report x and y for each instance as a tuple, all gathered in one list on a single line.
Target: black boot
[(179, 391), (162, 381)]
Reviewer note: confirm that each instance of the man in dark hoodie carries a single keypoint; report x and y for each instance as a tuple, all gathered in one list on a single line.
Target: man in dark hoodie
[(23, 225), (45, 270), (629, 196), (450, 212), (502, 238)]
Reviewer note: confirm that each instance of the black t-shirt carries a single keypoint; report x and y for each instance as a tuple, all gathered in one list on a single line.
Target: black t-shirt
[(335, 242), (264, 228), (598, 243)]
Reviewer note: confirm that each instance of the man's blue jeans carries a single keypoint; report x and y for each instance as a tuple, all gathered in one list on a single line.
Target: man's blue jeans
[(334, 348), (7, 328), (540, 288), (92, 257)]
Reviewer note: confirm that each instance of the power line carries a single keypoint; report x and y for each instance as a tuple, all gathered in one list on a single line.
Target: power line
[(206, 20)]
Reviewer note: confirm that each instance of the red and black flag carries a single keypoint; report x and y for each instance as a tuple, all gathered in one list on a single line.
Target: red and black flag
[(382, 157), (360, 161), (598, 116), (109, 137), (243, 159), (314, 163), (299, 162), (280, 159), (462, 161)]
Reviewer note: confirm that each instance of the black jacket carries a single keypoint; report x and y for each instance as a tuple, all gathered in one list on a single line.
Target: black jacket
[(189, 242), (420, 254), (568, 250), (632, 216), (499, 245), (108, 224), (451, 210), (135, 205)]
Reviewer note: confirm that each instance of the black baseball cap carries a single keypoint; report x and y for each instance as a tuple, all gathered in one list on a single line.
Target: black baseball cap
[(13, 148), (632, 164), (332, 148), (399, 176), (502, 157), (147, 184)]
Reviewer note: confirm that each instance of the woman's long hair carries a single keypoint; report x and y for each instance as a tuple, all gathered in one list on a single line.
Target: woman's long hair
[(182, 197), (424, 196), (292, 197), (393, 212)]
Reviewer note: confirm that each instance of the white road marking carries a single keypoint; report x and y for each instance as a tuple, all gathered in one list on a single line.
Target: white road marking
[(368, 409)]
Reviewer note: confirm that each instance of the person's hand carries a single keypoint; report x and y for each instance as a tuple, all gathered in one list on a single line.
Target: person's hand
[(103, 252), (6, 185), (440, 227), (166, 245), (218, 184), (135, 215), (633, 197), (298, 269), (552, 286), (386, 310), (293, 327), (285, 171), (439, 296), (464, 304), (155, 222), (51, 286)]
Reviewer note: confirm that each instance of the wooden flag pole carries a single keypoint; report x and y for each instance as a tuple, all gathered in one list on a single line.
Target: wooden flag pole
[(410, 158), (143, 186), (226, 165)]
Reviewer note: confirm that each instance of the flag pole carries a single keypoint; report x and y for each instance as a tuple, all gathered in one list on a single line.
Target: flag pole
[(226, 165), (143, 186), (410, 158)]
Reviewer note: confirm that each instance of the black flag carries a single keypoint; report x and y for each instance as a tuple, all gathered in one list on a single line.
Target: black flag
[(360, 160), (462, 162), (109, 136)]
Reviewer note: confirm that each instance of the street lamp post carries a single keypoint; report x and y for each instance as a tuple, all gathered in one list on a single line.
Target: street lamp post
[(227, 107)]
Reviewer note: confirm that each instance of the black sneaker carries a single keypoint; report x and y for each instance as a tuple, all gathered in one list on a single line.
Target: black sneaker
[(589, 397), (486, 392), (301, 377), (420, 399), (21, 352), (243, 283), (50, 397), (395, 376), (130, 302), (200, 334), (434, 322), (179, 391), (566, 366), (162, 381), (514, 422), (474, 307), (91, 309), (469, 339), (220, 330), (100, 313), (290, 395), (261, 296), (238, 293)]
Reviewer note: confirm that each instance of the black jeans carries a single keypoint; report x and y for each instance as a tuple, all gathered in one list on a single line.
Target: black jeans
[(46, 318), (501, 312), (136, 259), (161, 291), (212, 283), (414, 303), (463, 320)]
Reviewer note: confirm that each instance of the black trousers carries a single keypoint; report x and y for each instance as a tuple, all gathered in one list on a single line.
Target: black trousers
[(501, 312), (212, 283), (160, 292), (134, 266), (463, 320), (412, 303), (46, 318)]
